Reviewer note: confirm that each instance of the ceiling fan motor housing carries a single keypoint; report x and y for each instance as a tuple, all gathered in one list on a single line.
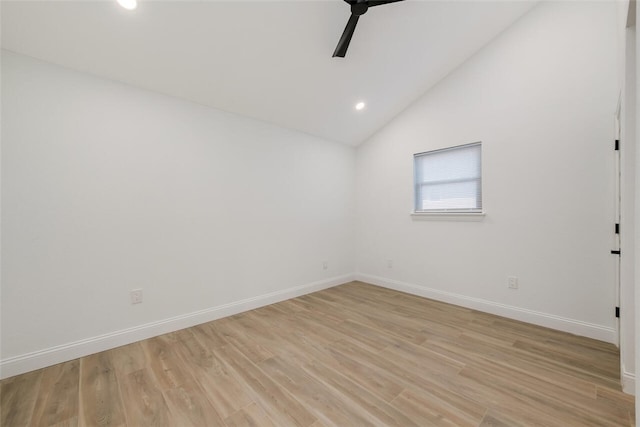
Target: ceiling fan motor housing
[(359, 8)]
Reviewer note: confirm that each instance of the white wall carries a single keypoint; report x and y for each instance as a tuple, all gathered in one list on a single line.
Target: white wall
[(106, 188), (541, 98), (637, 211)]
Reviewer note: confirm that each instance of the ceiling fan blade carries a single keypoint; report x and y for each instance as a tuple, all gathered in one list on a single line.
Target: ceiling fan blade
[(343, 43), (380, 2)]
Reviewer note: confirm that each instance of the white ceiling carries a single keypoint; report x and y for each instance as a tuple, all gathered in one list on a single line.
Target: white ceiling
[(270, 60)]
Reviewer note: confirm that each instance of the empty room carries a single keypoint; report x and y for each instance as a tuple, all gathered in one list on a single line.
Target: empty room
[(319, 213)]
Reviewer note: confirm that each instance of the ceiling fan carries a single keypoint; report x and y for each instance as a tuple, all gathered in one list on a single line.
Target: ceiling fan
[(358, 7)]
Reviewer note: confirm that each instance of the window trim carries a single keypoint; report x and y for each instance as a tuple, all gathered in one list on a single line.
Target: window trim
[(447, 216), (454, 212)]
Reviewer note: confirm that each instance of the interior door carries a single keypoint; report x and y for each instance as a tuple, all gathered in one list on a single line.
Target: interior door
[(617, 210)]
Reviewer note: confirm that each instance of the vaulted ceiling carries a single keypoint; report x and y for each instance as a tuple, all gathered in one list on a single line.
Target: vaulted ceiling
[(269, 60)]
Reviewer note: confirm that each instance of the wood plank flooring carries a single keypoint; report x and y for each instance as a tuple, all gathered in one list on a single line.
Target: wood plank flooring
[(353, 355)]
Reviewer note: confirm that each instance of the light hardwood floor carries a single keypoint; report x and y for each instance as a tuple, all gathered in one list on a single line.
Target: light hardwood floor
[(353, 355)]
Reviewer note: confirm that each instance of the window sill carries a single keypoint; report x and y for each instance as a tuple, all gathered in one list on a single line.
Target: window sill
[(447, 216)]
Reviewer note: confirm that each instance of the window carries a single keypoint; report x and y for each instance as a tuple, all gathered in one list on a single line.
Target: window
[(449, 180)]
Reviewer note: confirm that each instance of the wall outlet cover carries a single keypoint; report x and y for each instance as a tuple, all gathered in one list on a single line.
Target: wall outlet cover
[(136, 296)]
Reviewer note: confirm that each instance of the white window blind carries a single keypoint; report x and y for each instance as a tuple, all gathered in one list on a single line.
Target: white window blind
[(449, 180)]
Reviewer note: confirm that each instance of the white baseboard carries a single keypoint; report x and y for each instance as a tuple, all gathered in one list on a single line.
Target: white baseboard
[(628, 383), (576, 327), (40, 359)]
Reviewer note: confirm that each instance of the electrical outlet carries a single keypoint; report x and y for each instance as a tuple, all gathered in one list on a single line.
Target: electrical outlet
[(136, 296), (512, 282), (389, 263), (325, 265)]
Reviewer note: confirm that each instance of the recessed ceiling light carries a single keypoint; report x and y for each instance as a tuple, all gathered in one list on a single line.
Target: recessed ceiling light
[(128, 4), (359, 105)]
